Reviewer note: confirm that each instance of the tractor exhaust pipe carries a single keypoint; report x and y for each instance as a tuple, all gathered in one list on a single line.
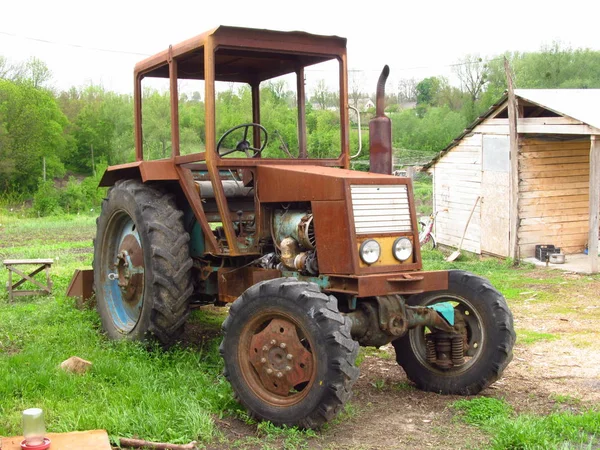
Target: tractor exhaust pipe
[(380, 132)]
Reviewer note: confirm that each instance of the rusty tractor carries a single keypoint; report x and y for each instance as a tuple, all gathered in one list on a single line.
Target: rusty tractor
[(314, 259)]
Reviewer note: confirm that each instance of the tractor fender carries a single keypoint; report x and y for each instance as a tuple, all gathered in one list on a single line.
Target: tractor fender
[(162, 170)]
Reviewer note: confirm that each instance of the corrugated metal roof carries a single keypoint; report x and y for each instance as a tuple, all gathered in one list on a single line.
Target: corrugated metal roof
[(580, 104)]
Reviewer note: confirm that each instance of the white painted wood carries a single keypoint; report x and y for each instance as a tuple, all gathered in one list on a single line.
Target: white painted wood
[(594, 194)]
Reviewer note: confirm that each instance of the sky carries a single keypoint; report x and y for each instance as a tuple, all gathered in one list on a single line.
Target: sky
[(416, 39)]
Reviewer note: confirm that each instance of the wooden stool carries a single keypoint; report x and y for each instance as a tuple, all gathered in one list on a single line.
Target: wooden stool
[(44, 264)]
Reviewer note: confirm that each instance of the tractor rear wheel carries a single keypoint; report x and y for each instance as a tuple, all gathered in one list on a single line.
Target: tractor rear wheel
[(288, 353), (142, 267), (489, 332)]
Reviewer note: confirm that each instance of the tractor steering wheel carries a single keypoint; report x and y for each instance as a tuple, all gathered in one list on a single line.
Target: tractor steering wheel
[(243, 145)]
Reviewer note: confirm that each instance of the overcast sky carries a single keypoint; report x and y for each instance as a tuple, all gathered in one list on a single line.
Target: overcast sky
[(417, 39)]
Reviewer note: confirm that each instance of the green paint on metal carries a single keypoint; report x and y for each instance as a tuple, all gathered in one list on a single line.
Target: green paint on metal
[(197, 246), (322, 280), (286, 224), (446, 310)]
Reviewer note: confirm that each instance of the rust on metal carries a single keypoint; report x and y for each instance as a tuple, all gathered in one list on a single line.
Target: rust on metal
[(388, 283), (279, 358), (82, 284), (233, 282), (380, 132), (130, 269), (163, 170), (331, 228)]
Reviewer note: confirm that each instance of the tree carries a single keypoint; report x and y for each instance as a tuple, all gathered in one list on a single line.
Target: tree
[(31, 128), (357, 81), (407, 90), (37, 72), (472, 71), (427, 90), (321, 95)]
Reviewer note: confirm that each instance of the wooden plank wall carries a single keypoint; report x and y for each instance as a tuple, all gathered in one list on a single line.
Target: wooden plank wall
[(457, 183), (553, 194)]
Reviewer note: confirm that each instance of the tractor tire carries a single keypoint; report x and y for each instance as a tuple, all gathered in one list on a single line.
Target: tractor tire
[(490, 335), (144, 292), (288, 353)]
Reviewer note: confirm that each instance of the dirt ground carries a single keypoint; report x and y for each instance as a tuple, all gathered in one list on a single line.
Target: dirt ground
[(545, 376)]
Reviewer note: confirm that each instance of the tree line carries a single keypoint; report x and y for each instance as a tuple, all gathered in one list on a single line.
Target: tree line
[(81, 130)]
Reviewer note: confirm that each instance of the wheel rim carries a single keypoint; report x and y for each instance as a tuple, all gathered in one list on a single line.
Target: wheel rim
[(429, 243), (123, 272), (476, 337), (277, 359)]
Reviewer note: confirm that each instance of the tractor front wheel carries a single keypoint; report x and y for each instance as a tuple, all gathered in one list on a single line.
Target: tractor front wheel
[(288, 353), (142, 267), (488, 345)]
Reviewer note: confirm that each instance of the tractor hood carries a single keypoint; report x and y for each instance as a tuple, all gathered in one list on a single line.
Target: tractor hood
[(279, 183)]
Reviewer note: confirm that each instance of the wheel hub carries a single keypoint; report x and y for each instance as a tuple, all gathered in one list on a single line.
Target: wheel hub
[(279, 358), (130, 269)]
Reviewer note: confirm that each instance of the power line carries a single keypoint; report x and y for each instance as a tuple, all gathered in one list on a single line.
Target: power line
[(98, 49), (67, 44)]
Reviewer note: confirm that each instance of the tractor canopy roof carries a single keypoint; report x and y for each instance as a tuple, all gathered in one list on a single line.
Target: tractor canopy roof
[(244, 54)]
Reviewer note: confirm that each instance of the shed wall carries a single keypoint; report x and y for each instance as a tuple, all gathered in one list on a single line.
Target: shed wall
[(457, 183), (553, 194)]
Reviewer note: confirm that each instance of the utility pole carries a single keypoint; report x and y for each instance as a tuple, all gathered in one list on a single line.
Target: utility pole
[(44, 168), (93, 166)]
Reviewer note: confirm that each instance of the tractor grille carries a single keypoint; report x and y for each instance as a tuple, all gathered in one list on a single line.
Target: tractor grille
[(380, 208)]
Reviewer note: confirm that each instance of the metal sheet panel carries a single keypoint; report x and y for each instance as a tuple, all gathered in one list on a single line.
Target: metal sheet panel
[(380, 208)]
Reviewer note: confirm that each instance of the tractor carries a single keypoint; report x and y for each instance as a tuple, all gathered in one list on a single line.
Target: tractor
[(312, 258)]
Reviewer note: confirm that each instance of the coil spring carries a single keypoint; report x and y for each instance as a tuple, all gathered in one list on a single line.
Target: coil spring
[(458, 354), (431, 353)]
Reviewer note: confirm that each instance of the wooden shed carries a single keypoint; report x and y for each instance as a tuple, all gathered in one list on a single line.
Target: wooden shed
[(550, 196)]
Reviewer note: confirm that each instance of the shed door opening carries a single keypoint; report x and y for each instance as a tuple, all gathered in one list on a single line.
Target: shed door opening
[(495, 192)]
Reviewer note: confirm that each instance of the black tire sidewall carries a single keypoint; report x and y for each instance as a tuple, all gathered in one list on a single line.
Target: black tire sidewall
[(496, 349), (331, 345), (120, 199)]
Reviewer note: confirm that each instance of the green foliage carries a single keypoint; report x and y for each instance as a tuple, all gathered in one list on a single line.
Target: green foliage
[(434, 131), (482, 410), (31, 128), (46, 200), (528, 431)]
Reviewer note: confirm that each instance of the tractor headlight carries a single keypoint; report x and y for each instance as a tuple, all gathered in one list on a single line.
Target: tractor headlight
[(402, 249), (369, 251)]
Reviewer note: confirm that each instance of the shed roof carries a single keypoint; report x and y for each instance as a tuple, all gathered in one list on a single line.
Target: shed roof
[(580, 104)]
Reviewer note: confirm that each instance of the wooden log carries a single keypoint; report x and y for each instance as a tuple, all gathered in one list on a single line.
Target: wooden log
[(139, 443)]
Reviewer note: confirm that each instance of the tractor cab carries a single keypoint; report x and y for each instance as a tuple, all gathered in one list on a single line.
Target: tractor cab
[(256, 62)]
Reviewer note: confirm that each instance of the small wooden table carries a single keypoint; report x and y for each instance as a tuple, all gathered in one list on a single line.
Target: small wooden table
[(78, 440), (43, 264)]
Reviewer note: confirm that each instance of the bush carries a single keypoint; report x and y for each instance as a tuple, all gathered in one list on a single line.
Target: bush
[(46, 199)]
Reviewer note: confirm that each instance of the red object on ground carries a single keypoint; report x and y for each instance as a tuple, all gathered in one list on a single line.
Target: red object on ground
[(43, 446)]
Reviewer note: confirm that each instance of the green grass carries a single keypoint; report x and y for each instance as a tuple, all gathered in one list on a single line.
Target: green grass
[(130, 391), (528, 337), (529, 431), (170, 396)]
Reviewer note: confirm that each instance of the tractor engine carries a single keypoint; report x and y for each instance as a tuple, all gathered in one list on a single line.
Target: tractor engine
[(293, 234)]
